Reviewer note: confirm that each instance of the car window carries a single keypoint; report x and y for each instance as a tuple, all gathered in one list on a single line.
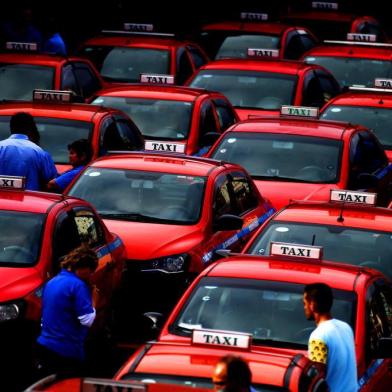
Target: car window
[(184, 66), (68, 79), (312, 94), (307, 41), (207, 120), (243, 192), (222, 203), (197, 56), (329, 86), (87, 79), (294, 47), (225, 112), (89, 228), (131, 138)]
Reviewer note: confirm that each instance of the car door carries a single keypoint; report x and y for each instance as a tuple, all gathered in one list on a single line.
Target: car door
[(369, 167), (378, 374)]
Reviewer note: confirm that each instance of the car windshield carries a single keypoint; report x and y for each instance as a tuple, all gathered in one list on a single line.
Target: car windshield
[(353, 71), (257, 307), (345, 244), (17, 81), (122, 64), (20, 240), (142, 196), (248, 89), (237, 46), (156, 118), (55, 134), (375, 118), (190, 382), (282, 157)]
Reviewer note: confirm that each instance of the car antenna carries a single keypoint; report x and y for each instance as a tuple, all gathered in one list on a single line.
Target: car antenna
[(313, 239), (340, 217)]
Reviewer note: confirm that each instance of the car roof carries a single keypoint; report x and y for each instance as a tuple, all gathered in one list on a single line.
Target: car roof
[(134, 40), (294, 126), (290, 67), (74, 111), (338, 276), (176, 93), (28, 201), (167, 163), (327, 213), (269, 28), (31, 58), (363, 98), (355, 51)]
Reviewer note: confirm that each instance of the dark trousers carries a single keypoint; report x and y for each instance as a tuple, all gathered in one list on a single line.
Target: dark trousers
[(49, 362)]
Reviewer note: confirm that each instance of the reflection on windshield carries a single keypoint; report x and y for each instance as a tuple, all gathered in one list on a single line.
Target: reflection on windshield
[(17, 81), (279, 156), (237, 46), (142, 196), (377, 119), (272, 312), (162, 119), (345, 244), (20, 239), (55, 134), (353, 71), (260, 90), (124, 64)]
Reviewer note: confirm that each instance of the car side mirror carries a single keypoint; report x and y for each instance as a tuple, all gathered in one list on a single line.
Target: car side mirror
[(209, 138), (227, 222), (367, 180), (384, 348), (155, 320)]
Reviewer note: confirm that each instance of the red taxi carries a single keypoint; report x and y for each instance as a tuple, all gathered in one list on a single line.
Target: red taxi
[(296, 158), (172, 119), (330, 20), (371, 107), (261, 87), (349, 228), (37, 230), (232, 39), (253, 306), (21, 73), (60, 122), (122, 56), (358, 61)]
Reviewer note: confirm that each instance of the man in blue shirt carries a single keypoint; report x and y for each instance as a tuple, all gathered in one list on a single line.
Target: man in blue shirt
[(53, 42), (80, 153), (20, 156), (68, 310)]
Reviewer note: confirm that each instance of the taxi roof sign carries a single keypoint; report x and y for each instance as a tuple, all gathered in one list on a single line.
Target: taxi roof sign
[(343, 196), (383, 83), (221, 338), (12, 182), (57, 96), (22, 46), (253, 16), (324, 5), (361, 37), (156, 79), (263, 52), (299, 111), (296, 251), (141, 27)]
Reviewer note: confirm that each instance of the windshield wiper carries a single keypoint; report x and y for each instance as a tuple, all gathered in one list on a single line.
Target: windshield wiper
[(279, 178), (277, 343), (136, 217)]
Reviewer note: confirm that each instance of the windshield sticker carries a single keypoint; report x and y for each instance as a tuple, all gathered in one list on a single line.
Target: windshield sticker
[(283, 145), (336, 110), (282, 229), (310, 58), (93, 174), (99, 100), (276, 295), (231, 140)]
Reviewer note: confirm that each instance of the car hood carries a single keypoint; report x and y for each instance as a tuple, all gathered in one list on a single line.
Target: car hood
[(144, 241), (267, 366), (244, 114), (280, 193), (18, 282), (61, 168)]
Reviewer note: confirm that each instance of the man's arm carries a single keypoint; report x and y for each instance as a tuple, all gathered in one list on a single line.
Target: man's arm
[(318, 351)]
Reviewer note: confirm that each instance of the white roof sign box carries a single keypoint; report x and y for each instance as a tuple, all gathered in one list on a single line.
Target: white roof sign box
[(156, 79), (383, 83), (57, 96), (221, 338), (138, 27), (324, 5), (12, 182), (23, 46), (343, 196), (253, 16), (294, 250), (361, 37), (300, 111), (164, 146), (263, 52)]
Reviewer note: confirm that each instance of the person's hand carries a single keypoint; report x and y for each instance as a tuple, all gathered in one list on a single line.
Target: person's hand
[(94, 295)]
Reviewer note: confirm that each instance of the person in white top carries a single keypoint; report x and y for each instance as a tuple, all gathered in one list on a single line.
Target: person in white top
[(332, 342)]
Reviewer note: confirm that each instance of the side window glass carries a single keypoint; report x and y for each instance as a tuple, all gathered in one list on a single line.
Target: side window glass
[(385, 295), (197, 56), (222, 202), (312, 94), (207, 121), (88, 81), (110, 139), (184, 67), (68, 79), (225, 114), (294, 48), (244, 194), (329, 86), (129, 137), (89, 228), (65, 239), (307, 42)]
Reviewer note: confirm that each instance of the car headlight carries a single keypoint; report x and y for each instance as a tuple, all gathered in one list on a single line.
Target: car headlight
[(9, 312), (169, 264)]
